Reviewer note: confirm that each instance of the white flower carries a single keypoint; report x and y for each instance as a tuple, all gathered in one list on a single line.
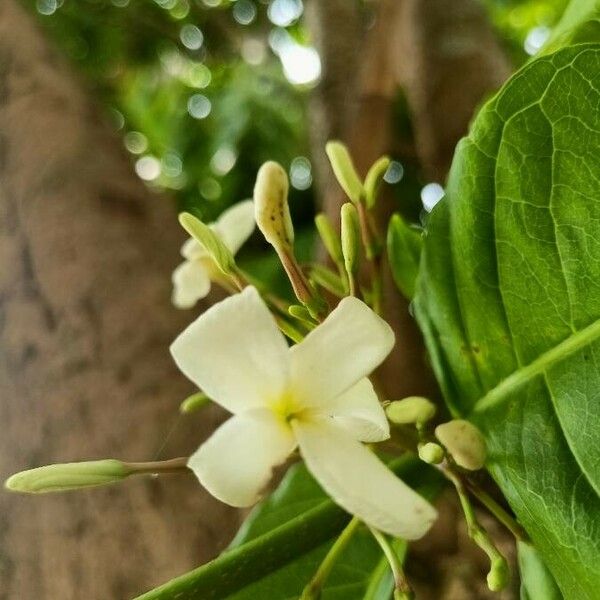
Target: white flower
[(314, 395), (192, 278)]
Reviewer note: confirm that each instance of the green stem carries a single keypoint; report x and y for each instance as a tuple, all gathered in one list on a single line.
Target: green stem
[(173, 465), (313, 590), (501, 515), (498, 574), (402, 590)]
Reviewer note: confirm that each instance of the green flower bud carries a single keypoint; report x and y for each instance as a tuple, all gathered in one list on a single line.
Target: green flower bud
[(413, 409), (331, 240), (68, 476), (464, 442), (374, 178), (193, 403), (499, 575), (213, 244), (344, 170), (350, 237), (431, 453), (271, 207)]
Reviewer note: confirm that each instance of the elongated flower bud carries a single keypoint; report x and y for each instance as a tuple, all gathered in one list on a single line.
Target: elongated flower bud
[(68, 476), (271, 205), (203, 234), (331, 239), (464, 442), (344, 170), (374, 178), (350, 237), (413, 409)]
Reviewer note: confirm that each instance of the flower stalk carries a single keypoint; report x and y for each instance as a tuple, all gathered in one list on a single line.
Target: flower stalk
[(498, 575), (402, 589), (313, 589)]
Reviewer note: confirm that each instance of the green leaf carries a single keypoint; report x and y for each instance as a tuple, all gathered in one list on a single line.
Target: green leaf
[(210, 241), (509, 301), (404, 245), (283, 541), (536, 580)]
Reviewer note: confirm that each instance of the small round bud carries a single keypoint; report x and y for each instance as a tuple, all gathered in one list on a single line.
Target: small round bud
[(271, 207), (464, 442), (193, 403), (344, 170), (413, 409), (499, 575), (431, 453), (350, 237), (67, 476)]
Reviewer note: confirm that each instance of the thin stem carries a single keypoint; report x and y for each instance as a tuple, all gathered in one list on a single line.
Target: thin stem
[(402, 589), (498, 574), (351, 284), (173, 465), (501, 515), (313, 590)]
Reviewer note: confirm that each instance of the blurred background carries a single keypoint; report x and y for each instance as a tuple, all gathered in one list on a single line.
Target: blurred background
[(116, 113)]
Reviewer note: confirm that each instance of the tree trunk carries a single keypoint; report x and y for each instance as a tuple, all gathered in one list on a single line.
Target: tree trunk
[(85, 325)]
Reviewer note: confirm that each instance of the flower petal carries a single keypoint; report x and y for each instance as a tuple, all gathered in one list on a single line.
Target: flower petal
[(359, 412), (193, 249), (235, 354), (190, 283), (236, 224), (360, 483), (236, 462), (347, 346)]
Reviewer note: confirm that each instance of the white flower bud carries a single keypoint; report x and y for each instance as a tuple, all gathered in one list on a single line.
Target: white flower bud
[(271, 207), (464, 442)]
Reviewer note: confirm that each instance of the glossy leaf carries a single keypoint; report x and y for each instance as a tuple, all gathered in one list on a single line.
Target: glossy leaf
[(508, 299), (404, 245), (283, 541), (536, 580)]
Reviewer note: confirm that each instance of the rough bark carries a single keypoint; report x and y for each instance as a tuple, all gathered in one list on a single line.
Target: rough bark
[(448, 61), (85, 323)]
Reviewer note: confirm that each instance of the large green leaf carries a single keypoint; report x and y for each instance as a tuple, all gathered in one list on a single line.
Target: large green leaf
[(284, 540), (354, 570), (509, 301)]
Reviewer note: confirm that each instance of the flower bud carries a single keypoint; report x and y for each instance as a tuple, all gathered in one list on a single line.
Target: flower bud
[(499, 575), (431, 453), (464, 442), (67, 476), (344, 170), (413, 409), (213, 244), (350, 237), (271, 207), (374, 178), (193, 403), (331, 240)]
